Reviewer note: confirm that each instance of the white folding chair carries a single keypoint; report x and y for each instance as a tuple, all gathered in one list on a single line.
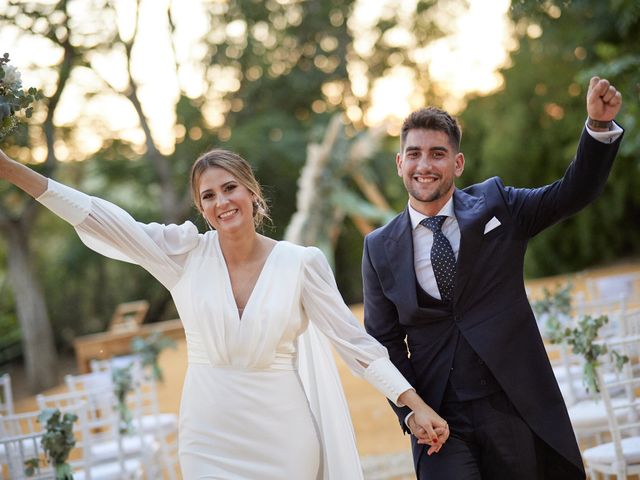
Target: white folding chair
[(621, 455), (15, 425), (6, 395), (587, 412), (24, 448), (623, 286), (20, 423), (144, 399), (631, 322), (128, 455), (17, 450)]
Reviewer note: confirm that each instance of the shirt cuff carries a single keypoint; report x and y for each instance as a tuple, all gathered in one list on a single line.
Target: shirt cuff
[(66, 202), (406, 419), (387, 379), (605, 137)]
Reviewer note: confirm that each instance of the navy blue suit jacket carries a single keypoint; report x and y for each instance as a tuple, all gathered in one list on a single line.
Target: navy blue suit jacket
[(490, 306)]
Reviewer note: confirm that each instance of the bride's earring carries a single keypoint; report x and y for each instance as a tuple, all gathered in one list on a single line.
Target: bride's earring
[(255, 204), (207, 222)]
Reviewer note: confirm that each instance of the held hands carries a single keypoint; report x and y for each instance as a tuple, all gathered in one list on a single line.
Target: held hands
[(429, 428), (603, 100)]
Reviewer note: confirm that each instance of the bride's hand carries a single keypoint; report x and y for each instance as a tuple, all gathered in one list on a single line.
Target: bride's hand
[(429, 428), (22, 176)]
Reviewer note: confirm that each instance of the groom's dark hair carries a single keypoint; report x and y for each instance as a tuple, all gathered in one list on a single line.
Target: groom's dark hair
[(432, 118)]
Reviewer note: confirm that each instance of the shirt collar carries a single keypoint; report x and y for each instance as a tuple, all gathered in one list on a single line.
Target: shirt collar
[(417, 217)]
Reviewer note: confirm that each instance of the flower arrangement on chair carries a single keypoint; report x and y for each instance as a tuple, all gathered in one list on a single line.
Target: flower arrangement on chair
[(122, 386), (149, 349), (555, 308), (57, 442)]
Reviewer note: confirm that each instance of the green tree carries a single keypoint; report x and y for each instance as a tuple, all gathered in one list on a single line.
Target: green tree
[(528, 131), (18, 214)]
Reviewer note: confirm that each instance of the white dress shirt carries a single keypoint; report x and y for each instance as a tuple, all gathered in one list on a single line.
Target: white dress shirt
[(423, 240)]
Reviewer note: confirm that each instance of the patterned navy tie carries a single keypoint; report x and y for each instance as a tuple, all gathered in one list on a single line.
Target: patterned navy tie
[(443, 260)]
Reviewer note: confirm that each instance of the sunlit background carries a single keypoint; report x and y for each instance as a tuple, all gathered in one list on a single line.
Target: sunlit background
[(476, 42), (312, 93)]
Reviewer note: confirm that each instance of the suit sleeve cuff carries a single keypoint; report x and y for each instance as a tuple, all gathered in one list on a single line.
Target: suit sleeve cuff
[(606, 137), (387, 379), (66, 202), (406, 419)]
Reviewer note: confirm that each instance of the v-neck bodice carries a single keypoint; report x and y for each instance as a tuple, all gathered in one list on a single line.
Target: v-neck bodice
[(230, 294), (266, 333)]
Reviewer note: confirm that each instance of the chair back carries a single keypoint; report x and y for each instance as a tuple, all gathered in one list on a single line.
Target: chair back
[(99, 422), (20, 423), (23, 451), (624, 285), (143, 399), (19, 450), (6, 395), (620, 390)]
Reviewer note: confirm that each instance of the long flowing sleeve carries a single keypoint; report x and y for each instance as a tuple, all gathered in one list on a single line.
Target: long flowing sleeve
[(111, 231), (325, 307)]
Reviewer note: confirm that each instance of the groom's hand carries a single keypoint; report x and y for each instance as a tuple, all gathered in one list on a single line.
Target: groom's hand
[(429, 428), (603, 100)]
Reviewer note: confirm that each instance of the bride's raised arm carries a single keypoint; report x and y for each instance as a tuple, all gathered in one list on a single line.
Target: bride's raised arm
[(107, 228)]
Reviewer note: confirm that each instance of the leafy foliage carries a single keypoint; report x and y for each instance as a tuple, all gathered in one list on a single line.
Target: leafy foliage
[(527, 132), (149, 349), (582, 339), (57, 442), (554, 308), (122, 385)]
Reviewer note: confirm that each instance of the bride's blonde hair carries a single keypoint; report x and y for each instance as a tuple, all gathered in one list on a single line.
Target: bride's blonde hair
[(240, 169)]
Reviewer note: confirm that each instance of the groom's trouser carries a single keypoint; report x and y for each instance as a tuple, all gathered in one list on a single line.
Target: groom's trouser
[(489, 441)]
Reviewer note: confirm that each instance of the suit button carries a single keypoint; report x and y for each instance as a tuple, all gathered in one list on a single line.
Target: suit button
[(483, 382), (480, 362)]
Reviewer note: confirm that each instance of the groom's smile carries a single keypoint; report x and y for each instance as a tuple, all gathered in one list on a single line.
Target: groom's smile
[(428, 166)]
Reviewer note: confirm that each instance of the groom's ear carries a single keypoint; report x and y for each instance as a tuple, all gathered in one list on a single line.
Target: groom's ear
[(459, 164), (399, 164)]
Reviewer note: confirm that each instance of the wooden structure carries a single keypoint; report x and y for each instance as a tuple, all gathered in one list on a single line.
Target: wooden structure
[(125, 325), (128, 316)]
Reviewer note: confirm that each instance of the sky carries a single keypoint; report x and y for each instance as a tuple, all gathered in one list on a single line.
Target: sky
[(466, 60), (477, 43)]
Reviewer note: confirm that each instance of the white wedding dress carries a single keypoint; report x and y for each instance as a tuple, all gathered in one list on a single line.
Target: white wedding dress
[(261, 397)]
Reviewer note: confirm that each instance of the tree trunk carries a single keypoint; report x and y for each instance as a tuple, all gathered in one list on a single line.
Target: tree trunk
[(38, 346)]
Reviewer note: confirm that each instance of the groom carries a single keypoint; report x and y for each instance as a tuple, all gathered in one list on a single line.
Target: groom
[(444, 292)]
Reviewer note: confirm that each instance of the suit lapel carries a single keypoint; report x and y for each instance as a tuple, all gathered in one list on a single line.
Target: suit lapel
[(399, 250), (470, 213)]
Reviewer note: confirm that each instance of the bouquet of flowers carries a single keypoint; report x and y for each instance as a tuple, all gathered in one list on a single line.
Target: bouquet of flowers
[(12, 97)]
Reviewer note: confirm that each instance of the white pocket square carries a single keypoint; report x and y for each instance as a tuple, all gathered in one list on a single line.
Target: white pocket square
[(491, 224)]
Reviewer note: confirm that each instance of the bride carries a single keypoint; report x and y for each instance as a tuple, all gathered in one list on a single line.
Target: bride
[(261, 397)]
